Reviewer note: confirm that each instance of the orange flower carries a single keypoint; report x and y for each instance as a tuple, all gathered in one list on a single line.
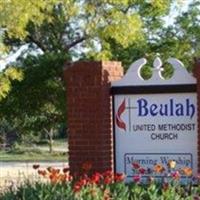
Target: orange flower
[(62, 177), (106, 195), (87, 166), (54, 178), (36, 166), (187, 171), (158, 168), (55, 171), (172, 164)]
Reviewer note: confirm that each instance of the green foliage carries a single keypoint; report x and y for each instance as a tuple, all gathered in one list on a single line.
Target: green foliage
[(41, 191), (41, 103), (123, 30), (56, 25), (15, 15), (180, 40), (6, 77), (117, 191)]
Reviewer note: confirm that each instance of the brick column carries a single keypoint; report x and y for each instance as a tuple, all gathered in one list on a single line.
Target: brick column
[(89, 113), (196, 73)]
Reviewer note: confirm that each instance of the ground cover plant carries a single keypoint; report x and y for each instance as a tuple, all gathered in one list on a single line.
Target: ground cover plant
[(58, 184)]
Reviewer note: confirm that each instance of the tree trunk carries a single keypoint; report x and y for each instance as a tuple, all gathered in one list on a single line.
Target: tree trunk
[(51, 140), (50, 137)]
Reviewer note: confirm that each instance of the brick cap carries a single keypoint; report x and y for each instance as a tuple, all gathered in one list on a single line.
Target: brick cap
[(69, 65)]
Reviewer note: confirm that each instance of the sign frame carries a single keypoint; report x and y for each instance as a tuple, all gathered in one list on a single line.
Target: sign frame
[(127, 87)]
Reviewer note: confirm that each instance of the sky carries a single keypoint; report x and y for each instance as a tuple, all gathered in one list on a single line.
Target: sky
[(11, 57), (182, 7), (169, 20)]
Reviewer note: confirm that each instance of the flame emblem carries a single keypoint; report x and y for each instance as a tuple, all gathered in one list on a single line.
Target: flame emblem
[(120, 123)]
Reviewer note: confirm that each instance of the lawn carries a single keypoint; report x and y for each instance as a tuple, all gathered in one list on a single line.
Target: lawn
[(39, 152)]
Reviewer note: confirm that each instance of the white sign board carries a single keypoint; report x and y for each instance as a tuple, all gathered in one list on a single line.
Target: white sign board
[(155, 128), (155, 120)]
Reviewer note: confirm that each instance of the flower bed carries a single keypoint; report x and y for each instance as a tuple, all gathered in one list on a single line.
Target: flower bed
[(60, 185)]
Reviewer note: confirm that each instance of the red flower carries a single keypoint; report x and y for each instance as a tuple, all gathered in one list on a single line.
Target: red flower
[(136, 165), (108, 173), (77, 187), (79, 184), (165, 186), (119, 177), (70, 178), (36, 166), (65, 170), (83, 182), (108, 180), (96, 178), (108, 177), (142, 170), (136, 178), (42, 172), (196, 197), (175, 175), (87, 166)]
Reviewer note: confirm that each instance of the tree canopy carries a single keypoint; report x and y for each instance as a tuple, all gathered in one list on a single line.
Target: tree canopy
[(63, 30), (57, 25)]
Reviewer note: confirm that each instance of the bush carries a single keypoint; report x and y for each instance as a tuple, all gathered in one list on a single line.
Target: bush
[(114, 191), (60, 185)]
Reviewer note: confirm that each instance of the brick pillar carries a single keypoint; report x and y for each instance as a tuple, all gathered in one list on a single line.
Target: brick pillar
[(196, 73), (89, 113)]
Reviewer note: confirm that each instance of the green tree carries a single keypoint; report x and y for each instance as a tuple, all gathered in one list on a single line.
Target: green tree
[(6, 77), (180, 39), (105, 29), (37, 103), (58, 26)]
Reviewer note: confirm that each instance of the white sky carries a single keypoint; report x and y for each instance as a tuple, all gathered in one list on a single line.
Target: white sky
[(182, 7)]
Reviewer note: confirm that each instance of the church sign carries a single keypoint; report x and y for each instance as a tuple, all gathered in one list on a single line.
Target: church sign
[(155, 120)]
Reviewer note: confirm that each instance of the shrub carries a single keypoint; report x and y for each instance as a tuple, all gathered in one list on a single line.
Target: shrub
[(60, 185)]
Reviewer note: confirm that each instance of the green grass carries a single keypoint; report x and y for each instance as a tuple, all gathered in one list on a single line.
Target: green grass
[(36, 152), (33, 156)]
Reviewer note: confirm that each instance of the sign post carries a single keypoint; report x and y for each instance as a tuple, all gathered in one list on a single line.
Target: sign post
[(155, 120)]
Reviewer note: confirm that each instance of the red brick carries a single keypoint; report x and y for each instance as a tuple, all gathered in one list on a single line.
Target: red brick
[(89, 113)]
